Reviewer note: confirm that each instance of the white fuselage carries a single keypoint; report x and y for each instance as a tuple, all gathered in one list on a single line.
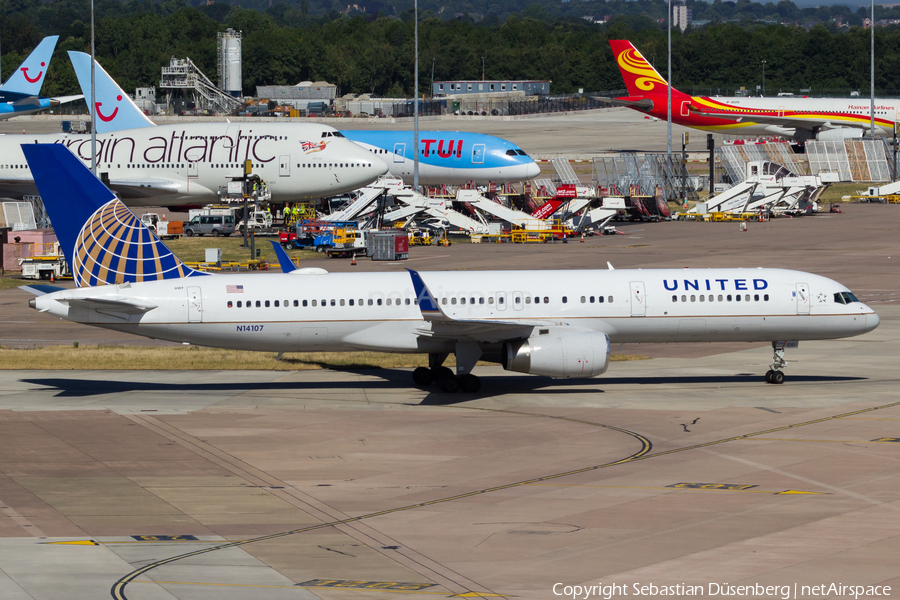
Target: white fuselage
[(378, 311), (182, 164)]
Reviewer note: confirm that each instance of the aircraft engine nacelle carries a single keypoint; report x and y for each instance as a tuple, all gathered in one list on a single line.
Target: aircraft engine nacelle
[(842, 133), (559, 354)]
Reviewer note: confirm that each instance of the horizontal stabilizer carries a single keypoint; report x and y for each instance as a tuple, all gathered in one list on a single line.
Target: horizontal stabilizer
[(108, 306), (642, 104), (30, 101), (40, 289)]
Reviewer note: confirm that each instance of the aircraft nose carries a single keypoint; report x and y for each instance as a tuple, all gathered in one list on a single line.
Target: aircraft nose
[(380, 166), (872, 321), (532, 170)]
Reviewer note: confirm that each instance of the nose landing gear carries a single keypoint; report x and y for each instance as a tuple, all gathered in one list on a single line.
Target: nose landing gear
[(776, 374)]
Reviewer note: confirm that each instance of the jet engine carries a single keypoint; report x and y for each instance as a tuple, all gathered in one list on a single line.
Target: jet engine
[(839, 134), (558, 353)]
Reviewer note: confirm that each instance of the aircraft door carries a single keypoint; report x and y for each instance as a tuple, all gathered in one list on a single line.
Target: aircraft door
[(517, 301), (195, 304), (685, 110), (638, 299), (478, 154), (192, 170), (802, 295), (284, 166), (399, 152)]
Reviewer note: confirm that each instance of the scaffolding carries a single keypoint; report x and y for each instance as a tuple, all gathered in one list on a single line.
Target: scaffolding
[(652, 174), (183, 74), (734, 158), (854, 160), (565, 172)]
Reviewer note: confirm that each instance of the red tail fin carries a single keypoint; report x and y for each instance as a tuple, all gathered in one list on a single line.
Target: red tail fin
[(639, 75)]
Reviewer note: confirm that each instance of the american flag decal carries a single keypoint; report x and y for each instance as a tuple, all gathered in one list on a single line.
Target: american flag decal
[(234, 289)]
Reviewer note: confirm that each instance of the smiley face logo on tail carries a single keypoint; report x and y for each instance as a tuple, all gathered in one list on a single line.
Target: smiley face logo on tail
[(112, 116), (39, 75)]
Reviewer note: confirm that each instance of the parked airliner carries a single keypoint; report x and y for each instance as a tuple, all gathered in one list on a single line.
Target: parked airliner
[(555, 323), (20, 94), (798, 118), (445, 157), (174, 165), (448, 157)]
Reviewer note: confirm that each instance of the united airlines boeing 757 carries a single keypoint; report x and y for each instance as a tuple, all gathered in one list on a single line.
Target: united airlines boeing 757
[(554, 323)]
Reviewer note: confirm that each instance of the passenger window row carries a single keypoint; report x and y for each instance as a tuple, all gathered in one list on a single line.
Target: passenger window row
[(318, 165), (323, 302), (721, 298)]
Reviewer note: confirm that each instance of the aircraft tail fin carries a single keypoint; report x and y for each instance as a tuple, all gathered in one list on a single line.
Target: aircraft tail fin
[(104, 242), (29, 77), (639, 75), (114, 110)]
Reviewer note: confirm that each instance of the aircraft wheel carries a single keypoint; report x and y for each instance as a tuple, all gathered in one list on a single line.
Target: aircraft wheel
[(442, 373), (449, 384), (769, 376), (469, 383), (422, 376), (777, 377)]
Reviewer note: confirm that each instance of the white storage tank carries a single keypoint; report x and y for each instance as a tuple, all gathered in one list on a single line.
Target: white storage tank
[(230, 62)]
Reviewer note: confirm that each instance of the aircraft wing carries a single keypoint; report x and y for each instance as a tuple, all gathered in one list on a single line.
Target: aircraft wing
[(439, 325), (642, 104), (144, 188), (790, 122), (65, 99)]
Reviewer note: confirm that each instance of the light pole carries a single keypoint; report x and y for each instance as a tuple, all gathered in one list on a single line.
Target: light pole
[(93, 107), (764, 77), (482, 65), (669, 88), (872, 75), (416, 106), (653, 60)]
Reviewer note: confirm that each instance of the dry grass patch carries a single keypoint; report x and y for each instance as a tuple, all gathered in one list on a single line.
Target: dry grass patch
[(207, 359), (9, 282)]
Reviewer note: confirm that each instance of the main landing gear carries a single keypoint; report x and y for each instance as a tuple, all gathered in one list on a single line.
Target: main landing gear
[(775, 374), (444, 377)]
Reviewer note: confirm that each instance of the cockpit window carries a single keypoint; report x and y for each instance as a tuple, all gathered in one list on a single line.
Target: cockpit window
[(844, 298), (521, 153), (510, 152), (337, 134)]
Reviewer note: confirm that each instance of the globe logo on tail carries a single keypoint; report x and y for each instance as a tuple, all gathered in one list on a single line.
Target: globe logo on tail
[(114, 247)]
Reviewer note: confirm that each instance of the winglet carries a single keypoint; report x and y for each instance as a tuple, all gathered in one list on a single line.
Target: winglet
[(287, 265), (428, 304)]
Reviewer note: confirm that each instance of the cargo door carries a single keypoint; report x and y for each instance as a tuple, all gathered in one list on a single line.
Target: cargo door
[(802, 295), (284, 166), (478, 154), (195, 304), (638, 300), (399, 152), (685, 108)]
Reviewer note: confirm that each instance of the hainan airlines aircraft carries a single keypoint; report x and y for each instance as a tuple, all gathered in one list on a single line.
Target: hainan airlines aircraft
[(174, 165), (798, 118), (448, 157), (452, 158), (20, 95), (552, 323)]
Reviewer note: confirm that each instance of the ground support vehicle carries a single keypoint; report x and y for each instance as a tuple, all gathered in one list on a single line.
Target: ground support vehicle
[(161, 227), (49, 266), (343, 242)]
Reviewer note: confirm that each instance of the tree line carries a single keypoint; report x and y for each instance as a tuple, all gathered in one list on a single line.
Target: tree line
[(367, 53)]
